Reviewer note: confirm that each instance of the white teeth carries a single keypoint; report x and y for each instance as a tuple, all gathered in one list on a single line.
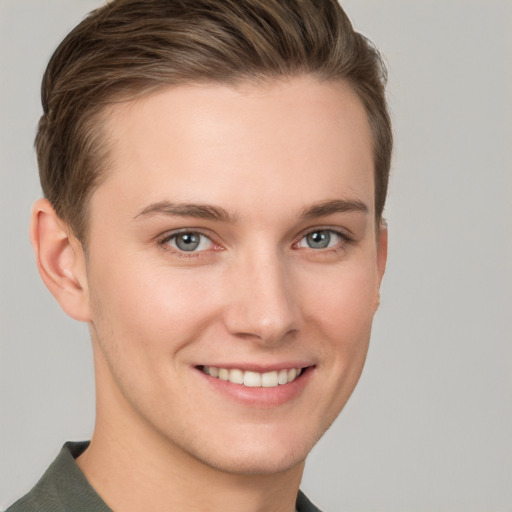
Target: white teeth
[(269, 380), (236, 376), (282, 377), (254, 379), (292, 373)]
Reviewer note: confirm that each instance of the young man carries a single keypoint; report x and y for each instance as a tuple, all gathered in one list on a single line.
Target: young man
[(214, 176)]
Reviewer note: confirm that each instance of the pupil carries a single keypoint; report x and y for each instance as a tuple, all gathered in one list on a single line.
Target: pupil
[(319, 239), (187, 241)]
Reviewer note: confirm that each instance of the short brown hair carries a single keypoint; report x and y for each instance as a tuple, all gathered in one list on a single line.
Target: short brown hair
[(128, 48)]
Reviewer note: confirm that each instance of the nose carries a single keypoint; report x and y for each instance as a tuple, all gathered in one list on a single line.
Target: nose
[(260, 300)]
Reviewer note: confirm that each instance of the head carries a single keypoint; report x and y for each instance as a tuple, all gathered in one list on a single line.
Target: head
[(215, 175)]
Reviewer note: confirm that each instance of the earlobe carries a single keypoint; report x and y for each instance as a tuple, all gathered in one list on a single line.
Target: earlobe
[(60, 260)]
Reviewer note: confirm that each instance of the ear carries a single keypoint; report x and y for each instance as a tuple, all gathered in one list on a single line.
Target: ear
[(382, 255), (60, 260)]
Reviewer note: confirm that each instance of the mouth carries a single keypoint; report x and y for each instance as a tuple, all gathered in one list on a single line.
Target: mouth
[(262, 388), (253, 379)]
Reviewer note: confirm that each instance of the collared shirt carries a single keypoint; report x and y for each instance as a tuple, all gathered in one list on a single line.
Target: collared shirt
[(64, 488)]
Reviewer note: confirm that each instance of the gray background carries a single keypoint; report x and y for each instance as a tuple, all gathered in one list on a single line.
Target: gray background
[(429, 427)]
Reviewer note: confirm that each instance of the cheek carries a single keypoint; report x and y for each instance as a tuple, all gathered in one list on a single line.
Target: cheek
[(341, 316), (153, 308), (344, 301), (142, 323)]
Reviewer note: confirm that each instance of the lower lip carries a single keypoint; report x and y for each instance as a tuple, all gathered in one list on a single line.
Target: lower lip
[(260, 397)]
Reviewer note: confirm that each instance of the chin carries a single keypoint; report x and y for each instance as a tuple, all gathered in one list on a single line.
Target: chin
[(260, 462), (258, 454)]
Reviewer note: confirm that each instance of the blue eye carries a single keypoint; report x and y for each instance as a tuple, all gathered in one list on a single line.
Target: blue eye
[(320, 239), (189, 241)]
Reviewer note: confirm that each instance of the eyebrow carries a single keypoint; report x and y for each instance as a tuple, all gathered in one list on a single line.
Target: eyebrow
[(210, 212), (326, 208), (200, 211)]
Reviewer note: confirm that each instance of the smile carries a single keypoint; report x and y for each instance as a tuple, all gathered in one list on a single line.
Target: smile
[(253, 379)]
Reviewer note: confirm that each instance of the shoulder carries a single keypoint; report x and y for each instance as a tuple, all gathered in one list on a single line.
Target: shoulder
[(63, 487), (34, 502), (304, 505), (44, 496)]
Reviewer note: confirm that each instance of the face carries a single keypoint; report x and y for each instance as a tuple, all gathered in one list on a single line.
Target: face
[(233, 269)]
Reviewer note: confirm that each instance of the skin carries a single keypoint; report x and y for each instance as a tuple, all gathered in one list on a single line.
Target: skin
[(255, 294)]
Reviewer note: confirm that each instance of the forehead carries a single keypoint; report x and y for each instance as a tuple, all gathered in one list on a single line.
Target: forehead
[(292, 140)]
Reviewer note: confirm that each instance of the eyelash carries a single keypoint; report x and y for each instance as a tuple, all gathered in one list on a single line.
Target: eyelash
[(164, 242), (344, 239)]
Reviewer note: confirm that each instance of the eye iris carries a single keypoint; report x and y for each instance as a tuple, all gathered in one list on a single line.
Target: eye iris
[(319, 239), (188, 241)]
